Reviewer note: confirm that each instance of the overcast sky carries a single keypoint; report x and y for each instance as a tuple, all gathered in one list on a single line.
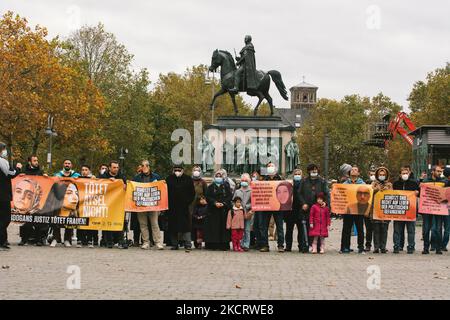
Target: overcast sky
[(343, 47)]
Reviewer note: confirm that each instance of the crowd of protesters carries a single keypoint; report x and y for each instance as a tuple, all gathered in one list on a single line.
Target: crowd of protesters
[(211, 216)]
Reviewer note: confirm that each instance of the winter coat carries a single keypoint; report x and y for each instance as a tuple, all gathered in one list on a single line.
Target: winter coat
[(72, 174), (146, 178), (181, 194), (295, 213), (6, 174), (377, 186), (235, 219), (320, 218), (310, 188), (198, 216), (215, 229), (410, 185), (30, 171)]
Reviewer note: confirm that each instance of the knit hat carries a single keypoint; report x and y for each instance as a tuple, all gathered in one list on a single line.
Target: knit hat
[(345, 169)]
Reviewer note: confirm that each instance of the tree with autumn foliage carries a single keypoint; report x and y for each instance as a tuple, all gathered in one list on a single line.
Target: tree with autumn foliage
[(36, 81)]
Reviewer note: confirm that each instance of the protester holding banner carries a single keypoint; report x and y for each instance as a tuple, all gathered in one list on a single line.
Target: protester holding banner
[(380, 227), (360, 209), (200, 186), (87, 237), (405, 182), (255, 234), (244, 193), (432, 222), (272, 175), (367, 219), (218, 195), (146, 176), (309, 189), (292, 218), (181, 193), (6, 174), (134, 223), (111, 238), (30, 231)]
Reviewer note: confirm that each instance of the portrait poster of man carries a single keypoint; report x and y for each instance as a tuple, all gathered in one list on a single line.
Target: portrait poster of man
[(351, 199), (271, 195)]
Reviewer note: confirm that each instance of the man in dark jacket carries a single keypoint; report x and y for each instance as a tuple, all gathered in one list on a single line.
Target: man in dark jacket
[(146, 176), (405, 182), (33, 231), (181, 193), (6, 174), (310, 187), (292, 218), (114, 237)]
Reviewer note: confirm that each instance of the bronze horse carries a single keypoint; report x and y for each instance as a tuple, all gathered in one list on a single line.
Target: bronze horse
[(225, 61)]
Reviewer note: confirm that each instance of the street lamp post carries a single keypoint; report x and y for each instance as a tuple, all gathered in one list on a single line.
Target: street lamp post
[(123, 153), (50, 131)]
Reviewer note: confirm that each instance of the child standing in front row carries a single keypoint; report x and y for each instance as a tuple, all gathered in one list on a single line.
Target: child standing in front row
[(198, 218), (319, 221), (235, 222)]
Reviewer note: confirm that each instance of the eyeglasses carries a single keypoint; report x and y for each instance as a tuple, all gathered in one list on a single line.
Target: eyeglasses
[(364, 193)]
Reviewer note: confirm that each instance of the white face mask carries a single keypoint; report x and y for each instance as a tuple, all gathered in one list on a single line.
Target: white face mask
[(102, 171), (382, 178), (372, 178), (270, 170), (314, 174), (178, 173), (196, 173), (4, 154), (405, 177)]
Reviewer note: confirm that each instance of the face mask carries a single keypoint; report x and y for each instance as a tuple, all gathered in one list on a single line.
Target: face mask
[(102, 171), (270, 170), (196, 173), (218, 180), (314, 174), (178, 174), (297, 177), (381, 178), (254, 179), (405, 177), (4, 154), (244, 184), (372, 178)]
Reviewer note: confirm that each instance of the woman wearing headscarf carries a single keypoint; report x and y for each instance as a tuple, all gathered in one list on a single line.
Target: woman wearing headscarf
[(380, 227), (218, 195)]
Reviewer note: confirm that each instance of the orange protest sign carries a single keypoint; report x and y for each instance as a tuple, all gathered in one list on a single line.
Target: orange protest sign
[(351, 199), (271, 195), (145, 197), (92, 204), (434, 199), (398, 205)]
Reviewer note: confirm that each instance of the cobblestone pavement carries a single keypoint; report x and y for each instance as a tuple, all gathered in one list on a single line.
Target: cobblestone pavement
[(41, 273)]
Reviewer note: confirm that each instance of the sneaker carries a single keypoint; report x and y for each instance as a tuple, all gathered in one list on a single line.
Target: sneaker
[(54, 243), (410, 251), (444, 249), (322, 251), (425, 251), (67, 244), (79, 245), (361, 251), (145, 246), (376, 251), (438, 252), (91, 245), (396, 250), (345, 251), (288, 249), (161, 247), (187, 249), (264, 249), (280, 249), (383, 251), (22, 243)]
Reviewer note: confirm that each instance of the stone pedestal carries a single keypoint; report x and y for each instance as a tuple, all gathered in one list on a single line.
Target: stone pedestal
[(241, 132)]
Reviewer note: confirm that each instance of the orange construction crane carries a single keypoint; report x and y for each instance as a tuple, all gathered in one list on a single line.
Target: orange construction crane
[(388, 129)]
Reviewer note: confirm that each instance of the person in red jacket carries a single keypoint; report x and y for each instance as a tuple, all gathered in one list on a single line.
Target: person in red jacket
[(319, 221)]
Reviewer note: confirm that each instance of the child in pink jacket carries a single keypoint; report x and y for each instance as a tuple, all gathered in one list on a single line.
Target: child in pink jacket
[(319, 221), (235, 222)]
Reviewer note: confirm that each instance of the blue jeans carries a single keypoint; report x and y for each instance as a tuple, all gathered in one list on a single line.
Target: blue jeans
[(426, 229), (436, 231), (399, 233), (445, 238), (245, 243), (264, 227)]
